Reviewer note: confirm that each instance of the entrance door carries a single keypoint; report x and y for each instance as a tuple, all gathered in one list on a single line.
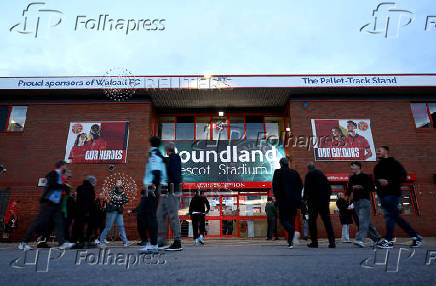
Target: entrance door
[(222, 219), (232, 214)]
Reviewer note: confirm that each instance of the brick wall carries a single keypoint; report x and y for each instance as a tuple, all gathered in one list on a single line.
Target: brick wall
[(392, 124), (31, 154)]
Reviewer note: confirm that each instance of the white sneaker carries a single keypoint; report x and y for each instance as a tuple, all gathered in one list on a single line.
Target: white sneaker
[(96, 241), (24, 246), (105, 241), (67, 245), (201, 239), (127, 244), (359, 243)]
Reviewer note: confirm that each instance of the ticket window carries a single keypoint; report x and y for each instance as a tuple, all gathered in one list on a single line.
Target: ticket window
[(408, 204), (336, 189)]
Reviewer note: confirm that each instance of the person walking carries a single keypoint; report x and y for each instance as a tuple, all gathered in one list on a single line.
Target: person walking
[(271, 216), (359, 189), (317, 191), (345, 216), (99, 218), (287, 186), (170, 202), (389, 174), (198, 208), (67, 200), (147, 220), (10, 220), (50, 210), (85, 212), (118, 199), (154, 180)]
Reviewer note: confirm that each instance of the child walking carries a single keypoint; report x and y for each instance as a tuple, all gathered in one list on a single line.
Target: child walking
[(345, 216)]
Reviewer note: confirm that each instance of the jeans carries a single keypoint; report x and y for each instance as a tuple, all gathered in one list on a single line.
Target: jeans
[(363, 210), (169, 205), (321, 208), (48, 213), (392, 216), (272, 227), (345, 232), (78, 229), (146, 218), (112, 217), (198, 221), (306, 228), (287, 219)]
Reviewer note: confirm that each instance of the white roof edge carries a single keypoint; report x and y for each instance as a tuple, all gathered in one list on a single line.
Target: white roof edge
[(217, 82)]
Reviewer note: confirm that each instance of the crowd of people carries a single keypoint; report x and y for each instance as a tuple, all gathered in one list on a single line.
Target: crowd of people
[(313, 198), (80, 219)]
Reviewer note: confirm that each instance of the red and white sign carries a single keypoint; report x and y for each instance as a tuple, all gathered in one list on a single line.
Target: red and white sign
[(97, 142), (226, 185), (343, 140)]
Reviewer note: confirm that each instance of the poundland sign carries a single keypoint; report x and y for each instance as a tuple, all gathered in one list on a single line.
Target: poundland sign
[(229, 161), (217, 82)]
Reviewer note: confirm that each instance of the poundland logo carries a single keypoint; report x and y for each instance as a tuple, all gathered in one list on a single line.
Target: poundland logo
[(38, 18)]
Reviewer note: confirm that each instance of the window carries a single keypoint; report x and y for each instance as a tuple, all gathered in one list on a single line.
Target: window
[(254, 127), (273, 127), (407, 203), (424, 114), (202, 128), (167, 128), (185, 128), (237, 128), (219, 128), (12, 118)]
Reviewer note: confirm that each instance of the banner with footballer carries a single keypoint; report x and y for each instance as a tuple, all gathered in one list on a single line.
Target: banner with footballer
[(343, 140), (97, 142)]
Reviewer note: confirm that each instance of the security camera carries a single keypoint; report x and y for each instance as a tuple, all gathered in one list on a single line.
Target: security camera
[(111, 168), (2, 169)]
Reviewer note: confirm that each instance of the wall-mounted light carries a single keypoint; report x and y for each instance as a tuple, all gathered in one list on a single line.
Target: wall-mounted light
[(221, 113), (207, 75), (288, 129)]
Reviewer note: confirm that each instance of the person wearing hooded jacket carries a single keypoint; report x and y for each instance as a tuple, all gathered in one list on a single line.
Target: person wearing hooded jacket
[(287, 186), (84, 212)]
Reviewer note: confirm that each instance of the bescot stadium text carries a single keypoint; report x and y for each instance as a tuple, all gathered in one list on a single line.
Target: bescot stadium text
[(106, 23)]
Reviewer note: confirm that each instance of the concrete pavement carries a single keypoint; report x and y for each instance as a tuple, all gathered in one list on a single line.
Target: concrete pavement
[(223, 262)]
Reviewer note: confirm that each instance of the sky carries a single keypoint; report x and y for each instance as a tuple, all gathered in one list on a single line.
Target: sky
[(224, 37)]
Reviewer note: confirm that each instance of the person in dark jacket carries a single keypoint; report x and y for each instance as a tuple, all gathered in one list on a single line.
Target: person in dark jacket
[(271, 216), (99, 217), (169, 203), (198, 208), (345, 216), (50, 209), (317, 191), (85, 211), (389, 174), (359, 189), (287, 186), (115, 208)]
